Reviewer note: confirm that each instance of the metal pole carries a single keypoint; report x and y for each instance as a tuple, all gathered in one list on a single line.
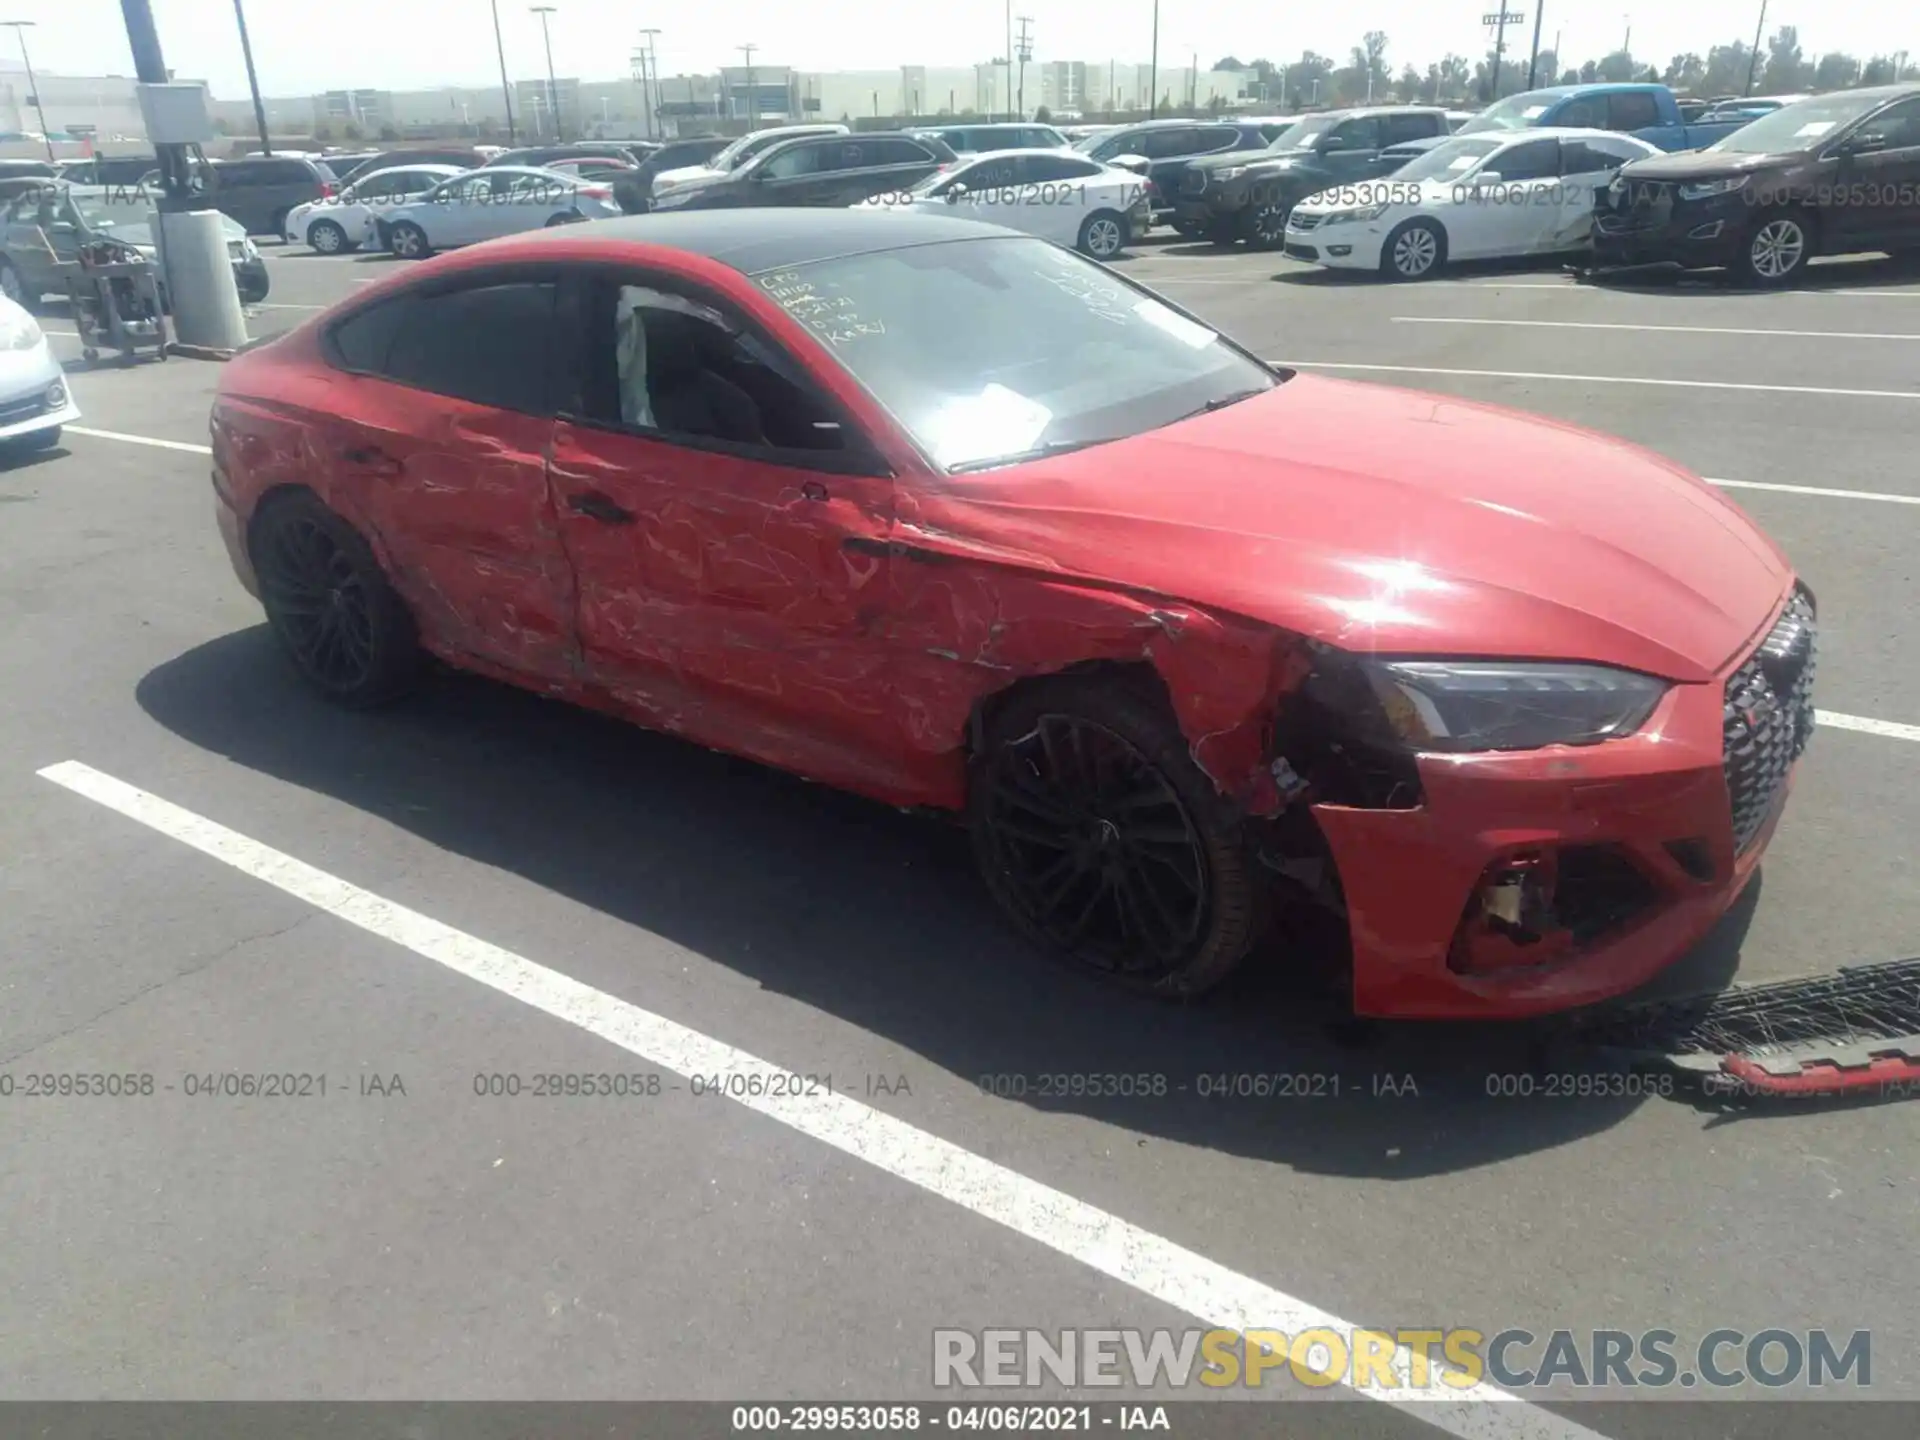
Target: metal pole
[(506, 89), (253, 80), (1153, 68), (1499, 49), (1008, 53), (1533, 64), (553, 86), (646, 103), (753, 91), (46, 136), (1025, 54), (1753, 60)]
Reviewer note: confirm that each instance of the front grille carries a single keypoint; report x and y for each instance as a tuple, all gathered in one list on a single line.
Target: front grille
[(1633, 207), (1768, 717), (1297, 221), (20, 410)]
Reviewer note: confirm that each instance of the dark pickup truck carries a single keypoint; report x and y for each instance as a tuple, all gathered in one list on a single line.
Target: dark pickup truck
[(1248, 195)]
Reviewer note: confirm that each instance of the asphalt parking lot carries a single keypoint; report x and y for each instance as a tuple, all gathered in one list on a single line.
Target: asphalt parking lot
[(404, 1236)]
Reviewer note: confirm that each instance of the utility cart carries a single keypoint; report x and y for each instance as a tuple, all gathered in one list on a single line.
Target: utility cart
[(116, 302)]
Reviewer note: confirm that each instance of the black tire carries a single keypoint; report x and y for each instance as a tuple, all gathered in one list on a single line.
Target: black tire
[(1103, 234), (329, 237), (1178, 850), (1263, 225), (338, 620), (15, 288), (1188, 228), (1222, 230), (1775, 249), (408, 241), (1416, 250), (277, 226), (35, 440)]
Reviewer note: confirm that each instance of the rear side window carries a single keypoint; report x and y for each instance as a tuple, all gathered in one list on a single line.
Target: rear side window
[(1534, 160), (1216, 137), (1038, 168), (1632, 110), (896, 152), (1168, 143), (1397, 129), (493, 345), (1587, 112)]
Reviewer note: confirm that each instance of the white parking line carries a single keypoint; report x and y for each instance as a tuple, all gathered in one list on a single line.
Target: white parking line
[(139, 440), (1103, 1242), (1879, 495), (1664, 329), (1891, 729), (1694, 285), (1600, 379)]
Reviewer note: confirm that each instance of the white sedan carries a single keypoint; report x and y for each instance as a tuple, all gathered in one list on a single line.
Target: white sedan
[(1098, 209), (34, 399), (1475, 197), (346, 221), (486, 204)]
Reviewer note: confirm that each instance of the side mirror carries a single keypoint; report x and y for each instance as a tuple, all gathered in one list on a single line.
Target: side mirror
[(1864, 143), (1486, 177), (1135, 163)]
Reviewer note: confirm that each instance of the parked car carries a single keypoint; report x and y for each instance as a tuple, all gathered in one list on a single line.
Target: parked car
[(1161, 150), (346, 221), (106, 169), (35, 400), (41, 232), (344, 163), (1066, 198), (1248, 196), (1751, 107), (601, 169), (28, 170), (1476, 197), (960, 520), (487, 203), (817, 170), (460, 157), (537, 156), (983, 139), (1828, 176), (260, 192), (633, 191), (732, 156), (1646, 112)]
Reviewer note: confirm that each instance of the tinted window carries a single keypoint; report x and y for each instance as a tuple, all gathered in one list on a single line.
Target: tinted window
[(1900, 124), (798, 161), (1042, 138), (1632, 110), (1396, 128), (1359, 133), (1533, 160), (1216, 137), (1585, 112), (1586, 157), (1035, 169), (363, 340), (896, 152), (1167, 143), (492, 345)]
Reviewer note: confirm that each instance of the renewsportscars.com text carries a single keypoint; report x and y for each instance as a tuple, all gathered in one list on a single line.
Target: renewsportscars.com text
[(1442, 1361)]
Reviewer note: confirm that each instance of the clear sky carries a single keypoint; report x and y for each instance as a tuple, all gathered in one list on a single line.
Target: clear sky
[(302, 46)]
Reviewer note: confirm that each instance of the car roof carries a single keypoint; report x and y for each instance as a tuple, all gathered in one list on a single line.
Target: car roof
[(755, 241), (1553, 132), (1051, 152), (431, 167)]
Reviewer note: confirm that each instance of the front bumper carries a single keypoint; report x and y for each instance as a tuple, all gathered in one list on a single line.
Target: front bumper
[(1655, 823), (1664, 231), (1354, 245), (34, 393)]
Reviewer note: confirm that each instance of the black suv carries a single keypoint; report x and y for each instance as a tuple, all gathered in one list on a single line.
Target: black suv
[(1248, 197), (818, 170), (259, 190), (1832, 175), (1167, 146), (633, 190)]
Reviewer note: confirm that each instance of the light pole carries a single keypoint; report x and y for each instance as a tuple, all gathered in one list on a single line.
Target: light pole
[(553, 86), (1008, 53), (1153, 68), (1753, 60), (1533, 64), (253, 80), (753, 92), (646, 101), (20, 28), (506, 88), (1025, 54)]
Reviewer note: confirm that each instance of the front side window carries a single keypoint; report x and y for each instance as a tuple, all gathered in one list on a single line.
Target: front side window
[(1533, 160), (798, 161), (986, 351), (1632, 110)]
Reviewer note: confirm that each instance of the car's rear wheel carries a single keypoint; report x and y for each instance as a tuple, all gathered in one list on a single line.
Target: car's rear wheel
[(1416, 250), (329, 603), (1188, 228), (328, 238), (1264, 226), (1103, 234), (1100, 837), (1776, 250), (408, 241), (277, 227), (15, 288)]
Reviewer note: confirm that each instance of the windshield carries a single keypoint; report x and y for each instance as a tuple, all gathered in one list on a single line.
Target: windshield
[(1797, 127), (1516, 112), (1449, 160), (986, 350), (1302, 135)]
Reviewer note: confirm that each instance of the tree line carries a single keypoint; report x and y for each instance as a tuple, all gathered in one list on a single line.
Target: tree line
[(1784, 68)]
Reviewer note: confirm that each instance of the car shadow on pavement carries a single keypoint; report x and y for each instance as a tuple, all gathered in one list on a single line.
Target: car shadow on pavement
[(1839, 275), (876, 917)]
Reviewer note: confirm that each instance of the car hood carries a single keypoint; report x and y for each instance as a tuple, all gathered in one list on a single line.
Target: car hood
[(1234, 159), (1394, 522), (1699, 165), (687, 175)]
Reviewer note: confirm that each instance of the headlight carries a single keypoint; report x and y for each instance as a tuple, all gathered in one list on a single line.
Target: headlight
[(1463, 705), (1232, 172), (21, 334), (1706, 189), (1340, 217)]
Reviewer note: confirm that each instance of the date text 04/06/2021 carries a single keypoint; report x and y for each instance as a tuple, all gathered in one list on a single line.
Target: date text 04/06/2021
[(1000, 1419)]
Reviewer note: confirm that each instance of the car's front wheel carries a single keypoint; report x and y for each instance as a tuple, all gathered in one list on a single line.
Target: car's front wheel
[(408, 241), (329, 238), (1100, 837), (1103, 234), (1264, 225), (329, 603), (1416, 250), (1777, 249)]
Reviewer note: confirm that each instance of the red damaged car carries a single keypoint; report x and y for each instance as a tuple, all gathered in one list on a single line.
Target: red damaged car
[(957, 519)]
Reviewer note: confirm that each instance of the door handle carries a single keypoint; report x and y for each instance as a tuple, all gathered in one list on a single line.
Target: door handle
[(596, 506)]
